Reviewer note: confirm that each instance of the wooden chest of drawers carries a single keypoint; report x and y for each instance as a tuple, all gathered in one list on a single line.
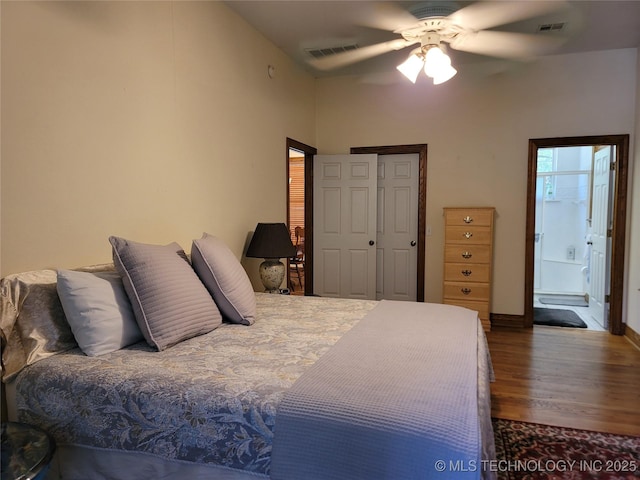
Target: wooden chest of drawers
[(468, 250)]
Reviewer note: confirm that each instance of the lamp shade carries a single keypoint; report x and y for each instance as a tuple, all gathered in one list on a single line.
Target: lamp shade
[(271, 240)]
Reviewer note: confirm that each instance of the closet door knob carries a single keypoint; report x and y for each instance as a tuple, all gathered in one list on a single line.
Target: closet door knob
[(371, 242), (413, 243)]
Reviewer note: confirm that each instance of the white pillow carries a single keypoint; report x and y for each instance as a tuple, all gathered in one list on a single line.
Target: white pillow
[(98, 311), (224, 277)]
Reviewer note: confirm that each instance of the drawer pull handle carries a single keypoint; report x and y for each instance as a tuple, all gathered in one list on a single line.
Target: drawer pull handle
[(466, 273), (468, 234), (465, 291), (466, 255), (467, 219)]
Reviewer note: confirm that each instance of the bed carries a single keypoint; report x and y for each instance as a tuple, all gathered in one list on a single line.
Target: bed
[(310, 388)]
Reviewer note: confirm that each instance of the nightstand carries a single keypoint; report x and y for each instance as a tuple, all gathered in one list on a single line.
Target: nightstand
[(26, 452)]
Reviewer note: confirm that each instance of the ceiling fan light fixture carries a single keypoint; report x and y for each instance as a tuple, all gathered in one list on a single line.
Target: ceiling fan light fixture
[(436, 64), (411, 67)]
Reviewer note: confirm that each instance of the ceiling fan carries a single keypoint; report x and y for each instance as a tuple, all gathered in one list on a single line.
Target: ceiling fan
[(467, 29)]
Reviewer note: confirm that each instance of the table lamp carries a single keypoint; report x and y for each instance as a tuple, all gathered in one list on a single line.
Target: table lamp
[(272, 242)]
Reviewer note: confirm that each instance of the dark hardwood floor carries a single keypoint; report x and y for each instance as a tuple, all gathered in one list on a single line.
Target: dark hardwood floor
[(566, 377)]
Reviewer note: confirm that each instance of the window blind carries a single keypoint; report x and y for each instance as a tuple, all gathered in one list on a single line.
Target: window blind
[(296, 195)]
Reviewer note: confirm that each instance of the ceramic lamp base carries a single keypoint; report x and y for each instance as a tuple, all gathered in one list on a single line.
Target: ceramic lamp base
[(272, 274)]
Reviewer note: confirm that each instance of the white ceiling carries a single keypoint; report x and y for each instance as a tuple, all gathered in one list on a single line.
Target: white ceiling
[(297, 25)]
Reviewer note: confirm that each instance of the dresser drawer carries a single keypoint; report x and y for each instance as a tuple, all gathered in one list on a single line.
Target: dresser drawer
[(467, 272), (469, 216), (467, 253), (481, 307), (467, 291), (467, 234)]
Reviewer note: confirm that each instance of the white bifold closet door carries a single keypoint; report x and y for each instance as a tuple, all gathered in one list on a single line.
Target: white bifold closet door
[(365, 226)]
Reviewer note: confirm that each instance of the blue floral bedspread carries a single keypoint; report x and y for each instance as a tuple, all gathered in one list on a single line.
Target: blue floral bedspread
[(211, 399)]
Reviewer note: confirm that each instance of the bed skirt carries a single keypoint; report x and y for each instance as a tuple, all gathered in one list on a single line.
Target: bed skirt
[(77, 462)]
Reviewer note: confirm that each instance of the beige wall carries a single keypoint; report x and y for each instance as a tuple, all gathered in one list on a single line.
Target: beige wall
[(477, 128), (633, 297), (155, 121)]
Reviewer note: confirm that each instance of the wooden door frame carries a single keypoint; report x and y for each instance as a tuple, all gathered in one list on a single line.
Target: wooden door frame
[(619, 218), (421, 150), (309, 152)]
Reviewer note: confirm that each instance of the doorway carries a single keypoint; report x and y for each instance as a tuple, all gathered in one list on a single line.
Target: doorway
[(296, 276), (576, 224), (572, 207), (300, 214)]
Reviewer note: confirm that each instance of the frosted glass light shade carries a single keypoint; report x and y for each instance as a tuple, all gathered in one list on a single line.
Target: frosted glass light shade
[(411, 67), (435, 61), (445, 74)]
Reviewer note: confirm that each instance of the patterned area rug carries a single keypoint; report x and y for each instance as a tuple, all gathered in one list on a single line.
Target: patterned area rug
[(529, 451)]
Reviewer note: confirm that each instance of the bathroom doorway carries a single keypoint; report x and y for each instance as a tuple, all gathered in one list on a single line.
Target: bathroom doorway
[(572, 207), (576, 214)]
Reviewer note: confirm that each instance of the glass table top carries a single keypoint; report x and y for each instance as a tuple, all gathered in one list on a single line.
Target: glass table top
[(26, 451)]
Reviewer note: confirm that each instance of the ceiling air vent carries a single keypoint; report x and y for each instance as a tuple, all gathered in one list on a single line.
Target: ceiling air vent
[(551, 27), (325, 52)]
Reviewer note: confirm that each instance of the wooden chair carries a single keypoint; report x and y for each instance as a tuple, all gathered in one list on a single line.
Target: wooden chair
[(297, 262)]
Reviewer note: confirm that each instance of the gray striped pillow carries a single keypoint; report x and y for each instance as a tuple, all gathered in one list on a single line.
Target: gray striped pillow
[(224, 277), (169, 301)]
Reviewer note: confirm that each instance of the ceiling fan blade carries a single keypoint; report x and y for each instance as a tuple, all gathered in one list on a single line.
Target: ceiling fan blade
[(342, 59), (484, 15), (517, 46)]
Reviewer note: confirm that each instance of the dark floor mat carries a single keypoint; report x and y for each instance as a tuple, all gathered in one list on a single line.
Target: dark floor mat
[(555, 317)]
